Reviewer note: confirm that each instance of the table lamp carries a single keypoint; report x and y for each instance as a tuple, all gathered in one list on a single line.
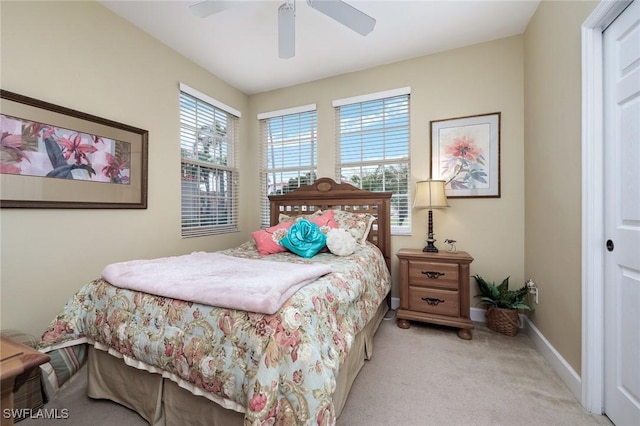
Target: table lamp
[(430, 194)]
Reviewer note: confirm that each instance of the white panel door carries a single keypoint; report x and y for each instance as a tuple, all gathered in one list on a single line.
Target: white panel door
[(622, 217)]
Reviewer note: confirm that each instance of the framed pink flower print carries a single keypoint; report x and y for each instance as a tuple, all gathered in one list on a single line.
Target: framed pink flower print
[(56, 157), (465, 153)]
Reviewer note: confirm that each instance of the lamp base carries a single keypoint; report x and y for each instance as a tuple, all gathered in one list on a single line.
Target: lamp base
[(430, 247)]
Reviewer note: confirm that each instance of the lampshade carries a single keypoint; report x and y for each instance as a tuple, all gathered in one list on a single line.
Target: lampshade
[(430, 194)]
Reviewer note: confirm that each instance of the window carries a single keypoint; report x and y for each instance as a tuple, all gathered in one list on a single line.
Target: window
[(373, 152), (208, 143), (288, 141)]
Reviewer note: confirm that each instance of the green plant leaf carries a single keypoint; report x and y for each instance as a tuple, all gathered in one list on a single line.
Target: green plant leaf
[(522, 306), (500, 296), (504, 285), (484, 286), (487, 301), (521, 293)]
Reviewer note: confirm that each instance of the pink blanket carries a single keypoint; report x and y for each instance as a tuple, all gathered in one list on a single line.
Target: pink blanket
[(216, 279)]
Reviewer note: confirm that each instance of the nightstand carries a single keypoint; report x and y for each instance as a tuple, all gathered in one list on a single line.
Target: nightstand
[(434, 288), (16, 363)]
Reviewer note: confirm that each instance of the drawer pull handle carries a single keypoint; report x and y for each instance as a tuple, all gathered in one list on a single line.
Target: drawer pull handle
[(433, 301), (434, 275)]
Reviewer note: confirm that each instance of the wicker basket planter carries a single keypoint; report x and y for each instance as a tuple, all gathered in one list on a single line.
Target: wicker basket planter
[(505, 321)]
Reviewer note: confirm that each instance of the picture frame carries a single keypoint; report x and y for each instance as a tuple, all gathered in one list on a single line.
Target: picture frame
[(465, 153), (56, 157)]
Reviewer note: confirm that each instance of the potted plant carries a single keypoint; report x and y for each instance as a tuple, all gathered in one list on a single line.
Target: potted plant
[(502, 314)]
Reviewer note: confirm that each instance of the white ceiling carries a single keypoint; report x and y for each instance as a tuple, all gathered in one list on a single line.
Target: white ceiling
[(240, 44)]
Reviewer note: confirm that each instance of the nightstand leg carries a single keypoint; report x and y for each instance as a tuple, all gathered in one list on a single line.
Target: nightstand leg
[(464, 333), (403, 323)]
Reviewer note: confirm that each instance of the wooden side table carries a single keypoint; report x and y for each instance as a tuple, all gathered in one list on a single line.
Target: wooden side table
[(434, 288), (16, 362)]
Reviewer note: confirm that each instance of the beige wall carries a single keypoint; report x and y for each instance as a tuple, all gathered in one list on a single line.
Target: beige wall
[(552, 46), (82, 56), (480, 79)]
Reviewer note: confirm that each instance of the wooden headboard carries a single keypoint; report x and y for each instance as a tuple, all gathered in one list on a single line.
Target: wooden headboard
[(326, 194)]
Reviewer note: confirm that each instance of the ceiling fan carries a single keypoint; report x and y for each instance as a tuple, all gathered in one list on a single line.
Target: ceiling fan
[(338, 10)]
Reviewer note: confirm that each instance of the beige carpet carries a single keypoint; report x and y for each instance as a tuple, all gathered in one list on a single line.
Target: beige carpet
[(425, 375)]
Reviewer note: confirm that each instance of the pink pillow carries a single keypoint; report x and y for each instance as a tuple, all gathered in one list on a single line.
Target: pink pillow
[(325, 221), (268, 240)]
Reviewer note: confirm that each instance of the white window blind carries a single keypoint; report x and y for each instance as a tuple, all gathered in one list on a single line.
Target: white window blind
[(373, 152), (288, 145), (209, 178)]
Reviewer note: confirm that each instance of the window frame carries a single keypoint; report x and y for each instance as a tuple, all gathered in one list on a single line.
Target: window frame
[(402, 163), (222, 169), (306, 172)]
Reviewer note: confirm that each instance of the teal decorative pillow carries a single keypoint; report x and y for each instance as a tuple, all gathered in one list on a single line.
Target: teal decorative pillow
[(304, 239)]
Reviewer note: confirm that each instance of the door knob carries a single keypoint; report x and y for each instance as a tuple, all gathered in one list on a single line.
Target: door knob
[(609, 245)]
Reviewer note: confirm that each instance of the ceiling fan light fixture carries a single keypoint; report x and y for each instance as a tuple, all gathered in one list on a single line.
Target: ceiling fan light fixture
[(286, 30), (345, 14), (206, 8), (337, 10)]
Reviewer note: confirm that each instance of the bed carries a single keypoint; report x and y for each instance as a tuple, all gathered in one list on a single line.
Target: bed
[(179, 362)]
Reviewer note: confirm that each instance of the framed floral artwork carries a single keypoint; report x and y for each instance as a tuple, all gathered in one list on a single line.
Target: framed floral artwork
[(56, 157), (465, 153)]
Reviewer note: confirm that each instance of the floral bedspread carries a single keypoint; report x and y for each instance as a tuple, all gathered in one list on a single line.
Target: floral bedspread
[(278, 369)]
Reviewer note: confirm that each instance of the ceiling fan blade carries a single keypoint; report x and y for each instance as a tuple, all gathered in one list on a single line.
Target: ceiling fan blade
[(345, 14), (286, 31), (206, 8)]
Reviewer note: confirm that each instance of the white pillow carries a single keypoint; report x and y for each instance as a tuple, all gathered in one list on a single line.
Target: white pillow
[(340, 242)]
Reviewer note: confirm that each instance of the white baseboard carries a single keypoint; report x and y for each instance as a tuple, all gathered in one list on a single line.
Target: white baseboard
[(395, 302), (562, 368), (478, 315)]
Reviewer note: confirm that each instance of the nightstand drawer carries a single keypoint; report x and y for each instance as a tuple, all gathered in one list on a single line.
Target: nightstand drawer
[(431, 301), (433, 275)]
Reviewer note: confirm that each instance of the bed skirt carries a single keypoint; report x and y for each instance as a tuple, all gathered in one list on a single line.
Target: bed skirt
[(162, 402)]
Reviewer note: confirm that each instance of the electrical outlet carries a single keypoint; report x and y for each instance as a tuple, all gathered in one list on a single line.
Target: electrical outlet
[(533, 289)]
